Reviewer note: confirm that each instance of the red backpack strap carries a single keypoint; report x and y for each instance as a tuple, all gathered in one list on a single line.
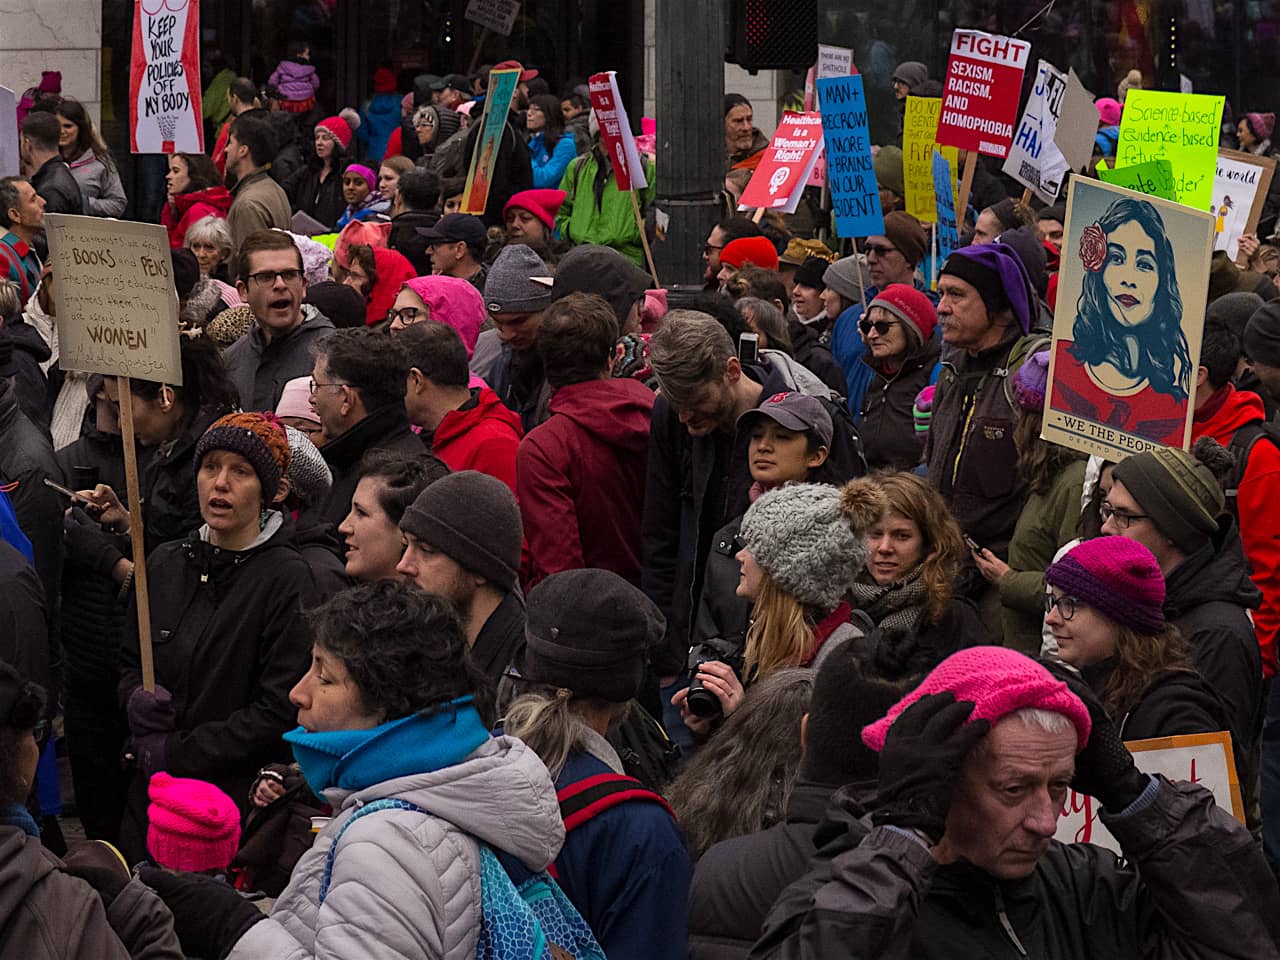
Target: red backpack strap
[(581, 801)]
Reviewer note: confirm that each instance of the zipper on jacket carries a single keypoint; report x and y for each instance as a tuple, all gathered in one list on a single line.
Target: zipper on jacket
[(1008, 927)]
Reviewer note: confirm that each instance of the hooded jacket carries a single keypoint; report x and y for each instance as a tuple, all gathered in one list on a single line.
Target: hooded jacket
[(813, 351), (393, 269), (580, 479), (29, 352), (100, 187), (1258, 504), (386, 428), (260, 369), (379, 117), (887, 427), (321, 199), (608, 221), (186, 208), (406, 885), (296, 80), (482, 434), (1173, 703)]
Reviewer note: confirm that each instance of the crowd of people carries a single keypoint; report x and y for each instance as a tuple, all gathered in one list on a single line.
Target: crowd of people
[(496, 602)]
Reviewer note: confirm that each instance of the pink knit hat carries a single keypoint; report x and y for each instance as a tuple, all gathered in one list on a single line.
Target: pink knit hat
[(1116, 576), (997, 681), (1262, 124), (359, 231), (365, 173), (1109, 111), (193, 825), (453, 301), (295, 401)]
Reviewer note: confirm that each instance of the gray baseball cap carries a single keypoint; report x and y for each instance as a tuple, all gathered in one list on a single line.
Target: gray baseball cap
[(793, 411)]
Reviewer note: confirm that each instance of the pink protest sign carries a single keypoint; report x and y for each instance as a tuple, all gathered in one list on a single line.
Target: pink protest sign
[(615, 130), (980, 98), (784, 169), (164, 78)]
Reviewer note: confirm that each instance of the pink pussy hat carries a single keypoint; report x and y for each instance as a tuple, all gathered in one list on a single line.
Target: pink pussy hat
[(998, 681), (193, 825)]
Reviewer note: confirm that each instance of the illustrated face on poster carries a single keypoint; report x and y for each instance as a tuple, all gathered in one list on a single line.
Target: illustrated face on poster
[(1130, 313)]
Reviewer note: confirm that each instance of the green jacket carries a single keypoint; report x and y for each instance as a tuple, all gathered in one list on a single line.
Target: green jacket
[(613, 223)]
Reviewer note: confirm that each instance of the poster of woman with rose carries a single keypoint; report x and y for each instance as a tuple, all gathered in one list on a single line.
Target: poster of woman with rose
[(1129, 318)]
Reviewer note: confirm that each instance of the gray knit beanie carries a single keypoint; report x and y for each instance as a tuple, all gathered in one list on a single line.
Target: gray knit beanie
[(811, 538), (509, 287), (848, 277), (308, 475), (472, 518)]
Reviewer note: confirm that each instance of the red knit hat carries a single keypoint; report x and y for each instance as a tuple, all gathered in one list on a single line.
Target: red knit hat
[(342, 126), (543, 204), (758, 251), (997, 681), (384, 81), (193, 825), (1116, 576), (910, 306)]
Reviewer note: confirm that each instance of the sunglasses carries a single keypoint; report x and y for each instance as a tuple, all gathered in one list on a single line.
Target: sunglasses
[(879, 249), (881, 327)]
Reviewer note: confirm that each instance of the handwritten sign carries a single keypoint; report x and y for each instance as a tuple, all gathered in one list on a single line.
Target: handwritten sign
[(1182, 128), (1154, 178), (834, 62), (1203, 758), (497, 104), (920, 123), (855, 197), (615, 131), (981, 93), (8, 133), (117, 304), (1077, 124), (948, 235), (496, 15), (781, 176), (1034, 160), (165, 115), (1239, 191)]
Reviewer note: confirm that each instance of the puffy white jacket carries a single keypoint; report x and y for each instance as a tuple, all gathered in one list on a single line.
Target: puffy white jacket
[(405, 885)]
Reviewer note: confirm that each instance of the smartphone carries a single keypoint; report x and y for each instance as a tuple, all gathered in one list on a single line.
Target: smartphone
[(748, 347), (972, 544), (69, 493)]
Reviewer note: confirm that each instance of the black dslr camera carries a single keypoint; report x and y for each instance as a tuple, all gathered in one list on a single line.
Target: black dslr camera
[(702, 702)]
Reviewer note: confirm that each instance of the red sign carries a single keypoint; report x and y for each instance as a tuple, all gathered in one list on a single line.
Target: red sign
[(165, 115), (980, 98), (615, 131), (784, 169)]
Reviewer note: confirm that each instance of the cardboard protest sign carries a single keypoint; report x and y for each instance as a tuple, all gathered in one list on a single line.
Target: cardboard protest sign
[(117, 305), (1203, 758), (855, 197), (165, 114), (1154, 178), (1182, 128), (832, 62), (8, 133), (496, 15), (615, 131), (1130, 314), (948, 235), (1077, 124), (981, 93), (781, 176), (919, 124), (497, 104), (1239, 190), (1034, 159)]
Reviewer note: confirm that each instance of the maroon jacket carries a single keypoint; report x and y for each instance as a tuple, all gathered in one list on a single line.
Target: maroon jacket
[(580, 479)]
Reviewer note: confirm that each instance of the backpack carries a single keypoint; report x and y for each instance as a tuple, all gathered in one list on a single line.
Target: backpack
[(646, 752), (592, 796), (524, 915), (1241, 448)]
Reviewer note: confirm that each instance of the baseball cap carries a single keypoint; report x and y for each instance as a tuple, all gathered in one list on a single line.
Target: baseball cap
[(525, 75), (793, 411), (454, 228), (455, 80)]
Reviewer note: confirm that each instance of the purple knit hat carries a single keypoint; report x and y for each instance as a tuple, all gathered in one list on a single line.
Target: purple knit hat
[(365, 173), (1262, 124), (1030, 381), (997, 681), (1116, 576), (996, 272)]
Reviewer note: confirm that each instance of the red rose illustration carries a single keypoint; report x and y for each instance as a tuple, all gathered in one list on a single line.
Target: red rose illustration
[(1093, 248)]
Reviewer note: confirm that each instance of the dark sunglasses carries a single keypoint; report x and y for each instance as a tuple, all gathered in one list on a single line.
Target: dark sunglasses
[(879, 249), (882, 327)]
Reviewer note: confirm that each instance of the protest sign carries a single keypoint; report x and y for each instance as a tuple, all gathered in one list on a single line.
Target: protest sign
[(1239, 191), (948, 237), (981, 93), (496, 15), (918, 127), (1182, 128), (497, 104), (615, 131), (1077, 125), (165, 114), (1154, 178), (834, 62), (8, 133), (1132, 288), (855, 197), (1202, 758), (780, 177), (1034, 159)]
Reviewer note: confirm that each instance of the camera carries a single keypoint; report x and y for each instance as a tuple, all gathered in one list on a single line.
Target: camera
[(702, 702)]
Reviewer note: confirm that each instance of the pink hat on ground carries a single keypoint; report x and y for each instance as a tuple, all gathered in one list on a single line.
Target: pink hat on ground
[(997, 681), (452, 301), (193, 825), (295, 401)]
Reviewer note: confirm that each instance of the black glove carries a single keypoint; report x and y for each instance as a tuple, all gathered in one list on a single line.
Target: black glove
[(98, 864), (88, 544), (208, 916), (1105, 767), (921, 760)]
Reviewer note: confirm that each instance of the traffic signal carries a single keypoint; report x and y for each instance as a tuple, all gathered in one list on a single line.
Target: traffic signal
[(772, 34)]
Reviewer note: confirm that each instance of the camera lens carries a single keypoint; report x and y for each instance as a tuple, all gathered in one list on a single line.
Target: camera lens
[(701, 701)]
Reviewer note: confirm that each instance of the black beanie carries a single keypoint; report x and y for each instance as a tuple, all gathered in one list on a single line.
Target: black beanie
[(472, 518), (1262, 334), (186, 271), (809, 273), (1233, 311), (339, 302), (979, 276), (1177, 491), (589, 631)]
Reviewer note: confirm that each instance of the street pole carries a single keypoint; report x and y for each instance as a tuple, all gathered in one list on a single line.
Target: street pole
[(690, 148)]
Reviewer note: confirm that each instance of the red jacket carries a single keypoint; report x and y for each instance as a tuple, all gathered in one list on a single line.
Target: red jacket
[(186, 208), (580, 479), (1258, 502), (481, 436)]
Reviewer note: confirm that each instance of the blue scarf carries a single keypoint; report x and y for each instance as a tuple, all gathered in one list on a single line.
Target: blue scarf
[(418, 743), (16, 815)]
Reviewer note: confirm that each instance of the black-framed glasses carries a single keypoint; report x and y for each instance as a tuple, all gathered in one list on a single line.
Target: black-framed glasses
[(708, 247), (1122, 517), (879, 249), (313, 386), (1066, 605), (406, 315), (267, 278), (882, 327)]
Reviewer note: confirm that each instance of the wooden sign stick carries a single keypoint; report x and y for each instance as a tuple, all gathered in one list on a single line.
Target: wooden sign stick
[(862, 287), (136, 534), (966, 184), (644, 239), (1026, 197)]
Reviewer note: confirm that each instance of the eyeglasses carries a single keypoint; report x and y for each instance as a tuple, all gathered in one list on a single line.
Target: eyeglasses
[(882, 327), (879, 249), (424, 124), (708, 247), (1066, 605), (1123, 518), (406, 315), (313, 386), (267, 278)]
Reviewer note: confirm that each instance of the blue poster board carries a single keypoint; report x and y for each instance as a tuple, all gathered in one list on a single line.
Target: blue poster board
[(948, 236), (855, 196)]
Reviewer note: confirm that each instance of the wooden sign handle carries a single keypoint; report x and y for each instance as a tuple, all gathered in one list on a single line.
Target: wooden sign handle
[(136, 534), (966, 184), (862, 286), (644, 238)]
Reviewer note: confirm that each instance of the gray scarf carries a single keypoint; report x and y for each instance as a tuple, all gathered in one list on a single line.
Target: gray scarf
[(895, 608)]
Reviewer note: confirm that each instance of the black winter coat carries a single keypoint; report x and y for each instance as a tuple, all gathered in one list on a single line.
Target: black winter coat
[(899, 655), (317, 540), (29, 351), (512, 173), (406, 239), (813, 351), (320, 199), (887, 427), (501, 637), (1174, 702), (722, 614), (384, 429), (170, 507), (24, 620)]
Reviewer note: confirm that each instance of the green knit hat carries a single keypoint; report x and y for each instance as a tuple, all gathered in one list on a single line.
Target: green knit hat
[(1177, 491)]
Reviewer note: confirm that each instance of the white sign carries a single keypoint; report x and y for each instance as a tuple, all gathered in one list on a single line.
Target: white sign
[(1034, 159), (834, 62), (496, 15), (8, 133), (1239, 190), (117, 304)]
